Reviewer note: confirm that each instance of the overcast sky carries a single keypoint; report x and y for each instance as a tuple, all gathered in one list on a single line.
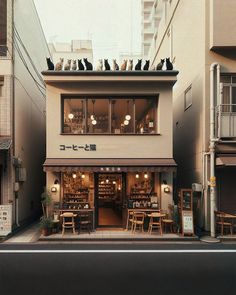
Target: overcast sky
[(113, 25)]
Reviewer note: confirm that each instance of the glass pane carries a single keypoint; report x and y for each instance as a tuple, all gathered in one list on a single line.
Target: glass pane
[(74, 115), (233, 99), (122, 116), (3, 27), (145, 115), (225, 79), (98, 115), (226, 99)]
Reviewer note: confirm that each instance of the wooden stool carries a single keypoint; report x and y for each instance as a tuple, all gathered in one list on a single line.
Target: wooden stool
[(168, 223), (68, 221), (85, 221)]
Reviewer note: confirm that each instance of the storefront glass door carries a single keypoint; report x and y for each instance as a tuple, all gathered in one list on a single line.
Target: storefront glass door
[(109, 199)]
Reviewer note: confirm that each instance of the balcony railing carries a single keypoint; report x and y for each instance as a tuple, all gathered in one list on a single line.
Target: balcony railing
[(226, 120)]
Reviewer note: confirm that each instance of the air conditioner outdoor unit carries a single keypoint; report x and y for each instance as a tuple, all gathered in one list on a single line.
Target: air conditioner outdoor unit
[(196, 187)]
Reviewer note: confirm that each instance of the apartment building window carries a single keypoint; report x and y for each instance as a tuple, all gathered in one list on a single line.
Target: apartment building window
[(188, 97), (3, 27), (116, 115), (228, 98)]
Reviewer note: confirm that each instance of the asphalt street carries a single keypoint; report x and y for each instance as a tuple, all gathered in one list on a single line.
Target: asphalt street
[(190, 268)]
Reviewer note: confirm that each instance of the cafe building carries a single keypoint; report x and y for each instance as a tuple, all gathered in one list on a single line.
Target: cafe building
[(109, 142)]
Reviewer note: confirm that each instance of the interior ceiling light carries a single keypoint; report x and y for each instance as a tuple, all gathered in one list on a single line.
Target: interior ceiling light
[(71, 116), (82, 176), (137, 175), (145, 175), (94, 121), (126, 122), (74, 175)]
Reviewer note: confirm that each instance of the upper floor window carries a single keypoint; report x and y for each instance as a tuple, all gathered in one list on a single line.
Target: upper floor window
[(188, 97), (228, 93), (109, 115), (3, 27)]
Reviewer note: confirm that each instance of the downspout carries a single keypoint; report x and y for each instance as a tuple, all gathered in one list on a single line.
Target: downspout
[(213, 139), (205, 187)]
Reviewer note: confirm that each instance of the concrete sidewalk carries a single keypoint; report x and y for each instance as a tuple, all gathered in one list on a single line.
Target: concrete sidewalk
[(30, 234)]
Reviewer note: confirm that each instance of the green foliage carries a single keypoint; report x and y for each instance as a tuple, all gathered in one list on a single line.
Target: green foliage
[(46, 222), (46, 198)]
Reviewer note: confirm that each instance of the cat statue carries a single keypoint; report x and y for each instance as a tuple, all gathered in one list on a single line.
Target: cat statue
[(124, 65), (146, 66), (138, 65), (67, 65), (88, 65), (169, 65), (130, 65), (59, 65), (74, 65), (80, 65), (106, 64), (115, 65), (50, 64), (160, 65), (99, 65)]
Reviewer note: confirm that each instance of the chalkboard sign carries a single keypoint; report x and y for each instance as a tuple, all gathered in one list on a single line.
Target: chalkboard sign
[(5, 219), (187, 222)]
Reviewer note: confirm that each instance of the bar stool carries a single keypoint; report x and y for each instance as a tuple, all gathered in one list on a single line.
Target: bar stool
[(68, 221)]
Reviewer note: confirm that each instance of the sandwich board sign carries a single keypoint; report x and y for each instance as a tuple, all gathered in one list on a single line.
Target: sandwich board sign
[(5, 219), (187, 222)]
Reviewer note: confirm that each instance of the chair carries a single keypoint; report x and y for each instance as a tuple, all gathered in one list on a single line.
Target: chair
[(167, 222), (130, 220), (68, 221), (222, 223), (85, 221), (155, 222), (138, 221)]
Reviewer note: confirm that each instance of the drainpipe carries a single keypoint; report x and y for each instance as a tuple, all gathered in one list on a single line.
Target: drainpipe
[(213, 139), (205, 187)]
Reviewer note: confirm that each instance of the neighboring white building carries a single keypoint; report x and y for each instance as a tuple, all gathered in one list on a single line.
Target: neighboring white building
[(22, 108), (77, 49), (200, 38)]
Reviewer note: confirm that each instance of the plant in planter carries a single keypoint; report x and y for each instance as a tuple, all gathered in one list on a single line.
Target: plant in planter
[(46, 200), (46, 225)]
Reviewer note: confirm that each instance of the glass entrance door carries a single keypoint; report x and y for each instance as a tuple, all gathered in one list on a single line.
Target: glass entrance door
[(109, 199)]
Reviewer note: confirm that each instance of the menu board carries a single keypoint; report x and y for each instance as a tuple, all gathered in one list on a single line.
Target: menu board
[(187, 222), (5, 219)]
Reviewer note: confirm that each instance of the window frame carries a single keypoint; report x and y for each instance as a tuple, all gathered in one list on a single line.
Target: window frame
[(188, 89), (110, 98)]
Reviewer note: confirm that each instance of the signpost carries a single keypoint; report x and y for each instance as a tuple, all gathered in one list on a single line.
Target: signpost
[(187, 222), (5, 219)]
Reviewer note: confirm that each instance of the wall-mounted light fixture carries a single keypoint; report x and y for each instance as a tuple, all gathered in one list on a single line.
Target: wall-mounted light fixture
[(55, 187), (166, 187)]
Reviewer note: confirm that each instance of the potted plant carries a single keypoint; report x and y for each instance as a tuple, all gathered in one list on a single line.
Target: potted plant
[(46, 200), (46, 225)]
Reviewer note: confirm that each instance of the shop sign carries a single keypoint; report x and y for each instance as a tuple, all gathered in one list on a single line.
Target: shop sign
[(5, 219), (187, 222), (75, 147)]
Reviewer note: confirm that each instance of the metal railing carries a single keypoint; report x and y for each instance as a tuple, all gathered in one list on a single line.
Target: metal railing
[(226, 120)]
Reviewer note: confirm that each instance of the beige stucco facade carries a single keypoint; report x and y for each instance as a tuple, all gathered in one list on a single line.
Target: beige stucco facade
[(112, 147), (195, 34)]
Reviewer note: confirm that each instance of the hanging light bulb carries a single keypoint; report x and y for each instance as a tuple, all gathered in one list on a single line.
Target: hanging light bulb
[(145, 175), (82, 176), (137, 175), (94, 122), (74, 175), (107, 180), (71, 116), (114, 182), (92, 117), (127, 117), (126, 122)]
